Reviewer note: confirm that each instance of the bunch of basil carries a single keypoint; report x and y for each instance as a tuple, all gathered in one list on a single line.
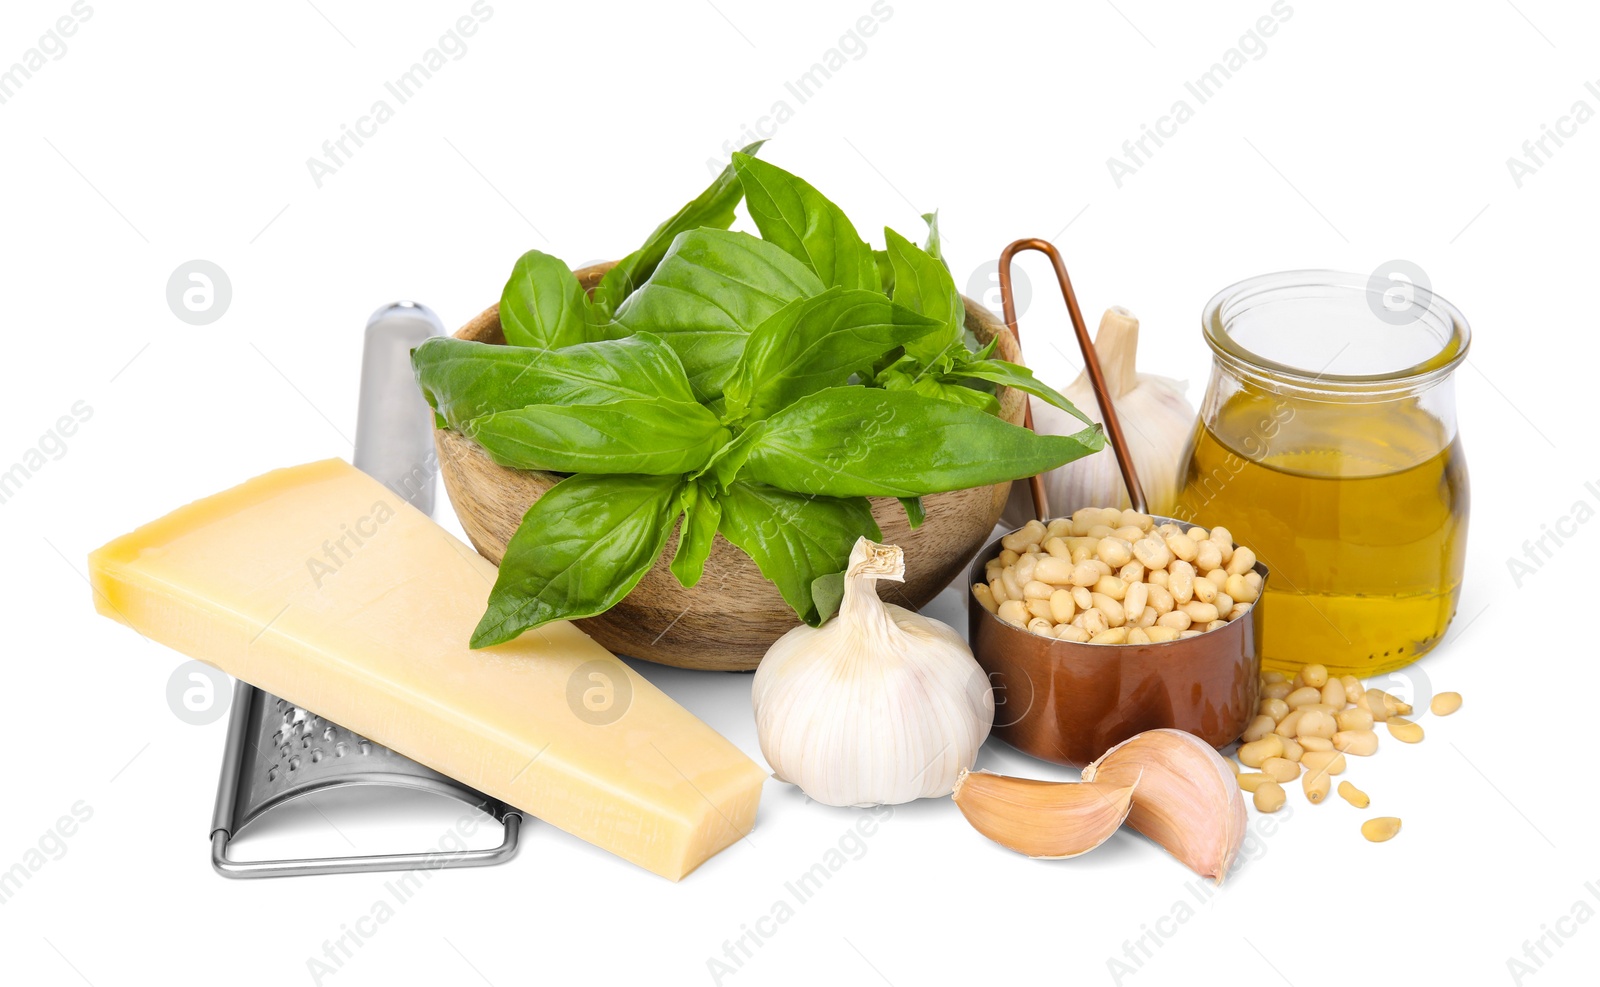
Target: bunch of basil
[(762, 388)]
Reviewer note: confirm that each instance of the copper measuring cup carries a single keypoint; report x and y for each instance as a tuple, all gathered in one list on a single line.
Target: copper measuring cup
[(1068, 702)]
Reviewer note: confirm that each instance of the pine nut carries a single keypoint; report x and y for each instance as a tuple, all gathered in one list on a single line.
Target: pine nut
[(1271, 677), (1254, 754), (1445, 703), (1287, 725), (1014, 612), (1303, 696), (1061, 607), (985, 598), (1042, 625), (1114, 635), (1054, 570), (1333, 694), (1318, 744), (1160, 635), (1354, 719), (1035, 590), (1082, 597), (1404, 730), (1242, 562), (1182, 547), (1240, 590), (1362, 743), (1038, 607), (1177, 620), (1353, 795), (1115, 615), (1258, 728), (1275, 708), (1280, 769), (1068, 632), (1352, 687), (1111, 586), (1381, 829), (1208, 556), (1160, 598), (1134, 598), (1315, 785), (1205, 591), (1153, 552), (1315, 676), (1292, 750), (1114, 552), (1315, 723), (1137, 635), (1201, 613), (1132, 573), (1180, 581), (1084, 574), (1058, 549), (1269, 797), (1251, 782)]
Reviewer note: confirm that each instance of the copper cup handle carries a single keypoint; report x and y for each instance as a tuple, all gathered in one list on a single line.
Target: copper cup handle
[(1091, 363)]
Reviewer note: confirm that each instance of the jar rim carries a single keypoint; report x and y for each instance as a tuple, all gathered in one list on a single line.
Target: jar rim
[(1215, 319)]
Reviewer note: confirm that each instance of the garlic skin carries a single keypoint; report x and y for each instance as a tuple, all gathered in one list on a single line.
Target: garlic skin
[(878, 706), (1156, 420)]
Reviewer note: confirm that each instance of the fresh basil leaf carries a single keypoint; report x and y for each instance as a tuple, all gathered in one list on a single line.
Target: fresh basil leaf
[(709, 291), (464, 380), (656, 437), (730, 459), (813, 343), (885, 272), (915, 513), (543, 306), (793, 538), (827, 592), (1019, 377), (716, 279), (860, 441), (933, 248), (908, 375), (701, 516), (581, 548), (713, 207), (923, 284), (798, 218)]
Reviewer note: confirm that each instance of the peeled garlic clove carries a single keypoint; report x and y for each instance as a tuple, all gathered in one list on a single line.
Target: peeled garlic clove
[(1049, 819), (1187, 800)]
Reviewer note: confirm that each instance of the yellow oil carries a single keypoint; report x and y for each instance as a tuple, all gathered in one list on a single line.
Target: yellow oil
[(1358, 511)]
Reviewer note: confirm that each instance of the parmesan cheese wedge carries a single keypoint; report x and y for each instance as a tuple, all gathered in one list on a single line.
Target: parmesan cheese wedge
[(319, 585)]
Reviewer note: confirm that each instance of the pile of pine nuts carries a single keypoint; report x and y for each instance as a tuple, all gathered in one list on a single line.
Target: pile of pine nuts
[(1306, 725), (1110, 576)]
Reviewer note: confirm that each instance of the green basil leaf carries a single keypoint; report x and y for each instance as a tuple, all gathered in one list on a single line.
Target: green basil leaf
[(656, 437), (860, 441), (713, 207), (543, 306), (908, 375), (581, 548), (915, 514), (923, 284), (1020, 377), (827, 592), (933, 248), (701, 516), (885, 277), (798, 218), (794, 539), (464, 380), (709, 291), (814, 343)]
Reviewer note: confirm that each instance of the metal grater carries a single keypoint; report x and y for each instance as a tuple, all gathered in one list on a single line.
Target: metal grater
[(277, 751)]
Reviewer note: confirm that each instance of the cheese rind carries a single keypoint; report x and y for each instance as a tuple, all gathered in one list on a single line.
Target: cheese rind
[(318, 585)]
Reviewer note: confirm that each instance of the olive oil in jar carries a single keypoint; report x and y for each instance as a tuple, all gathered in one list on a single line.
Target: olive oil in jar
[(1359, 512)]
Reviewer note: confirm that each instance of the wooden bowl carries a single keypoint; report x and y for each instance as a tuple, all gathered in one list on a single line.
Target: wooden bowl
[(730, 618)]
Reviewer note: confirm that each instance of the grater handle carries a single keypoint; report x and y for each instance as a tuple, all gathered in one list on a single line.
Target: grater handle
[(371, 863)]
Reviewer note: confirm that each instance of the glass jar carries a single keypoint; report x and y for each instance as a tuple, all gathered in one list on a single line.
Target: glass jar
[(1327, 443)]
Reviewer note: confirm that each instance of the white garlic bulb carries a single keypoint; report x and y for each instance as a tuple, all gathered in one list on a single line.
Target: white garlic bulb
[(1156, 421), (878, 706)]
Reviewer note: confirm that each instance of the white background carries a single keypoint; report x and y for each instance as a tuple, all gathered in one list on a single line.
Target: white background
[(1367, 131)]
